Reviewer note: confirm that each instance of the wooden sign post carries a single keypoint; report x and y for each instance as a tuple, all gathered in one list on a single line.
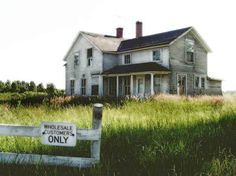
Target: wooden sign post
[(59, 134)]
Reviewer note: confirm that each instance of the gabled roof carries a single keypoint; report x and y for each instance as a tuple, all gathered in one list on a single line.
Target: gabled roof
[(133, 68), (152, 40), (105, 43)]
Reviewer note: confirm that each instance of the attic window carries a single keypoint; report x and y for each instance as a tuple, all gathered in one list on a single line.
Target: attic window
[(189, 43), (89, 55), (76, 58)]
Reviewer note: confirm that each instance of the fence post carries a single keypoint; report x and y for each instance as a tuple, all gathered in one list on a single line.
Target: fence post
[(96, 124)]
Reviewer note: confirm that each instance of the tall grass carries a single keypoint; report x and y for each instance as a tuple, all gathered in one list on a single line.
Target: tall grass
[(164, 135)]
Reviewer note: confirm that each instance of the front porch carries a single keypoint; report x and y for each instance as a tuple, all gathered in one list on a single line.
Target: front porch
[(138, 84), (142, 79)]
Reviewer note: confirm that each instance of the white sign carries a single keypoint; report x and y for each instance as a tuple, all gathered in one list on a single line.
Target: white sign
[(58, 134)]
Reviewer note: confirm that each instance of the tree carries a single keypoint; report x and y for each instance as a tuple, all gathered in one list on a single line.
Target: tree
[(40, 88), (15, 87), (24, 86), (32, 86), (51, 90), (7, 86), (2, 87)]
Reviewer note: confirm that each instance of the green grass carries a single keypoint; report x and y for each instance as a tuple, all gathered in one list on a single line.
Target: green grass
[(165, 135)]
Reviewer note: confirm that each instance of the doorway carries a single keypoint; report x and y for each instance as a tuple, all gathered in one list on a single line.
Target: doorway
[(181, 84)]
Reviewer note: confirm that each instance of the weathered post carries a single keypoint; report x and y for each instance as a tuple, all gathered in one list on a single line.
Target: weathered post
[(96, 125)]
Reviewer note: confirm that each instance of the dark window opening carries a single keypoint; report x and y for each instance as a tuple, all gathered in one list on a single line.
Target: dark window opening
[(94, 89), (202, 82), (72, 87), (83, 86), (156, 55), (89, 55)]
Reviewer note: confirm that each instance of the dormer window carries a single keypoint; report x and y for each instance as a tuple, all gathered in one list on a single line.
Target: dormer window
[(189, 43), (127, 59), (156, 55), (89, 55)]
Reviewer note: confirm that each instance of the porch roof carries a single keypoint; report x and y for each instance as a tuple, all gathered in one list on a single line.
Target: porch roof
[(133, 68)]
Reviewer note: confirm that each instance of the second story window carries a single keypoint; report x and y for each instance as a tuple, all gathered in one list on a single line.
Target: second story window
[(156, 55), (189, 43), (89, 55), (127, 59), (76, 58)]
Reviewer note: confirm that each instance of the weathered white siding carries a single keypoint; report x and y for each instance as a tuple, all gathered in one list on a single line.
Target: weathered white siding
[(178, 64), (82, 70), (109, 61), (146, 56)]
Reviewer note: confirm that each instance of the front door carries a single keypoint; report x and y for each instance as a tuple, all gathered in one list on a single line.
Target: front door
[(140, 86), (181, 84)]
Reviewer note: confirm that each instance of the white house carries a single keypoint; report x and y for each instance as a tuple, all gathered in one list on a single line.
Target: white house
[(170, 62)]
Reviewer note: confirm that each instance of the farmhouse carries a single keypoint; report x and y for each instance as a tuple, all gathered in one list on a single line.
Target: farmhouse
[(173, 62)]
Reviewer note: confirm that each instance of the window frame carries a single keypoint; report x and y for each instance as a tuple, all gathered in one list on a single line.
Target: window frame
[(96, 91), (199, 81), (83, 86), (89, 56), (203, 86), (76, 58), (72, 87), (124, 59), (156, 60), (189, 50)]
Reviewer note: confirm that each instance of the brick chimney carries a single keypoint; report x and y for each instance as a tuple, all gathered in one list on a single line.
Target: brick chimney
[(139, 29), (119, 32)]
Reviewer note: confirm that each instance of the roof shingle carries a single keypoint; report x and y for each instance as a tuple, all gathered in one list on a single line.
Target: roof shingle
[(133, 68), (104, 42), (151, 40)]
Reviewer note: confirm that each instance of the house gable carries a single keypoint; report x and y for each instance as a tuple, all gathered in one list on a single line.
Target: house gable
[(196, 36), (75, 43)]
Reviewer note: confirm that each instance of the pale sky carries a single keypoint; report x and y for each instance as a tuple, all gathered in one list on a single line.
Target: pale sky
[(36, 34)]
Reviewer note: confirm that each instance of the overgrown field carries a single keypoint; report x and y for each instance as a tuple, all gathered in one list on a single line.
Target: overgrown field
[(165, 135)]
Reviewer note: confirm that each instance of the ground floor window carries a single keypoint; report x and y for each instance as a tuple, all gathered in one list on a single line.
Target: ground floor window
[(196, 81), (94, 89), (199, 82), (83, 86), (124, 85), (72, 87), (203, 82)]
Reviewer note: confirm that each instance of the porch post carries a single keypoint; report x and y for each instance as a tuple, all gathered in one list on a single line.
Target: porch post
[(152, 84), (131, 85), (100, 87), (117, 86)]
